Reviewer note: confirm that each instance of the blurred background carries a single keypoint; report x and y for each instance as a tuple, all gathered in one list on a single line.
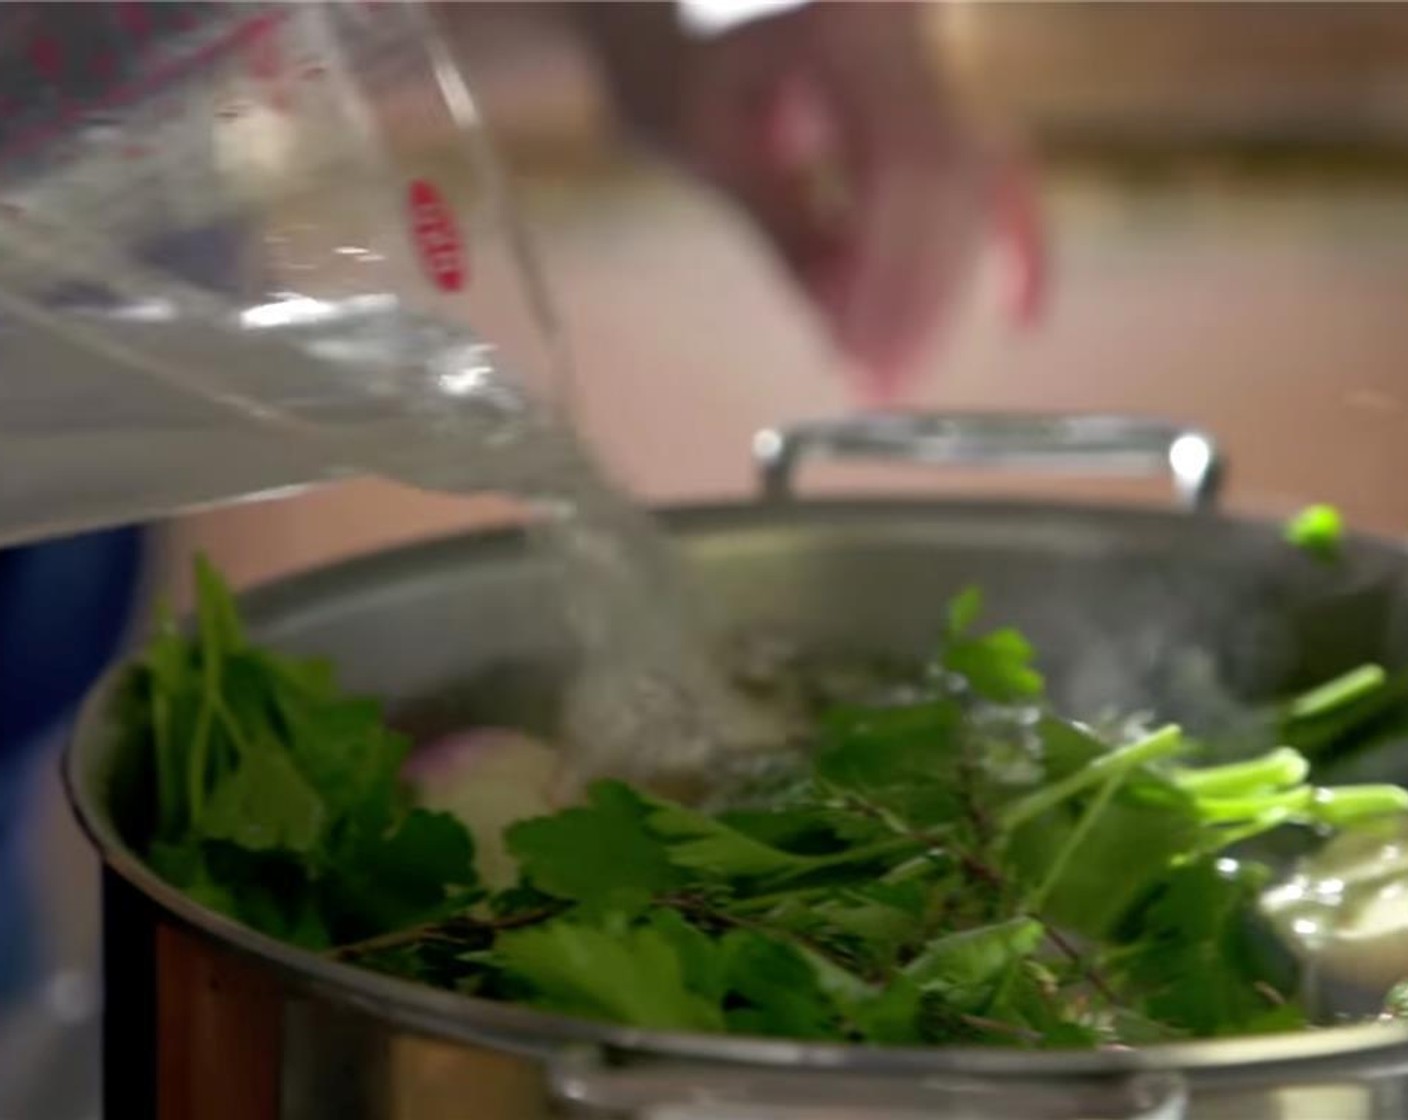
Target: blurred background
[(1224, 187)]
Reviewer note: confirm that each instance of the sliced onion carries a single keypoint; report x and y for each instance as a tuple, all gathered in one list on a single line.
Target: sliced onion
[(490, 778)]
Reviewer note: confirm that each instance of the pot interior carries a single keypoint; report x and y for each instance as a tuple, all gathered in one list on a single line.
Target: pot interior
[(1191, 616)]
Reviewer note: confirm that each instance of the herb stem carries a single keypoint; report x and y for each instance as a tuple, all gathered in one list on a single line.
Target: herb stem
[(997, 1026), (1074, 840), (867, 853), (1162, 743), (210, 674), (1279, 769), (428, 931), (977, 869), (761, 902), (1091, 973), (168, 780), (443, 929), (1345, 689), (864, 854), (1264, 822), (231, 725), (1230, 810), (1344, 806), (703, 911), (197, 771)]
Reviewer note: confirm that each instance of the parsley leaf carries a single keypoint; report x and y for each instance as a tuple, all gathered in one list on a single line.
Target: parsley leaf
[(631, 975), (706, 846), (602, 855), (420, 870), (997, 666), (973, 960), (277, 797), (1198, 958), (265, 803), (773, 989), (905, 760), (952, 862)]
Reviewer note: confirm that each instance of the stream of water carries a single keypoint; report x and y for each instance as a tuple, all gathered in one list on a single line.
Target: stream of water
[(649, 698)]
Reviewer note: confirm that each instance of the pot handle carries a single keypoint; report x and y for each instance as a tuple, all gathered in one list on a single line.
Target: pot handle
[(1099, 444), (677, 1090)]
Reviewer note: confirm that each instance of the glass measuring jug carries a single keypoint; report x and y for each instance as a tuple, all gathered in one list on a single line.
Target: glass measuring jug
[(238, 247)]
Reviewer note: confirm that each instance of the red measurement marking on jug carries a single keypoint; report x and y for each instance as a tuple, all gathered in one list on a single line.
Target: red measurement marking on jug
[(436, 236), (64, 65)]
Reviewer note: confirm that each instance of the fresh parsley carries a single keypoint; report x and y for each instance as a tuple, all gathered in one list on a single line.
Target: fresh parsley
[(959, 864)]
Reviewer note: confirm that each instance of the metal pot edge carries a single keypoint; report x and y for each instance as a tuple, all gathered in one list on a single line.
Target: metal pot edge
[(1247, 1062)]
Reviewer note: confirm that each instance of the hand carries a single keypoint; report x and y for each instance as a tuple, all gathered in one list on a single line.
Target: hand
[(830, 126)]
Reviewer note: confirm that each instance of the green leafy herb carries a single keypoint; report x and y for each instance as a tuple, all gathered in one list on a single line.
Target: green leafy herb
[(774, 989), (602, 854), (997, 666), (1318, 530), (1337, 694), (973, 958), (632, 974), (277, 799), (265, 804), (954, 862), (704, 846), (1196, 957)]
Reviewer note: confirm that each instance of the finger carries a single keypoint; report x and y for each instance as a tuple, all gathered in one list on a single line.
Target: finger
[(1021, 229), (878, 231), (906, 264), (774, 156)]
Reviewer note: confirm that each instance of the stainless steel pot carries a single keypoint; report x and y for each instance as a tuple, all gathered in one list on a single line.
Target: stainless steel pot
[(207, 1019)]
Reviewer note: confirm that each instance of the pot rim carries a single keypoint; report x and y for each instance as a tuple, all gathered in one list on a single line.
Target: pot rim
[(1367, 1049)]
